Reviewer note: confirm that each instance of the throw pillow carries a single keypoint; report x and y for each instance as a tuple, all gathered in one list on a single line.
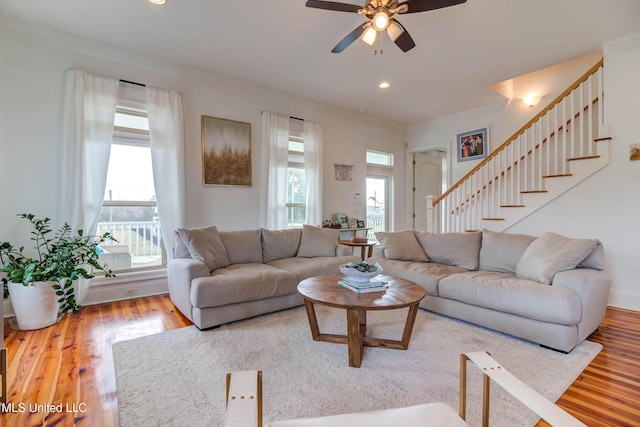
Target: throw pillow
[(460, 249), (205, 244), (551, 253), (279, 244), (243, 246), (317, 241), (501, 251), (180, 249), (595, 259), (401, 245)]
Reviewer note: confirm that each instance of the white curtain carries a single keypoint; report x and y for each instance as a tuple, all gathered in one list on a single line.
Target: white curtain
[(275, 149), (166, 135), (313, 171), (89, 111)]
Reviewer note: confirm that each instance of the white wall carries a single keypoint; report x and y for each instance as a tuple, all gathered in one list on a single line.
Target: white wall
[(33, 62), (604, 206)]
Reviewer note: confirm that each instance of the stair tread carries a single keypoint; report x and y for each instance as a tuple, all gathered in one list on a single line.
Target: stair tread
[(560, 175), (493, 219), (533, 191), (571, 159), (512, 206)]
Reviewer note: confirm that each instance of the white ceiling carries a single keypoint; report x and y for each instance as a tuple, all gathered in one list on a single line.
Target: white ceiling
[(282, 45)]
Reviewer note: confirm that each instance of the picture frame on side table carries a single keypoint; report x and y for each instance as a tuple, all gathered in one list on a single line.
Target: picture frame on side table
[(343, 220), (226, 152), (473, 144)]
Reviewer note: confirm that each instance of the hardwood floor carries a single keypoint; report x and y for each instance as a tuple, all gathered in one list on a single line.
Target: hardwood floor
[(69, 366)]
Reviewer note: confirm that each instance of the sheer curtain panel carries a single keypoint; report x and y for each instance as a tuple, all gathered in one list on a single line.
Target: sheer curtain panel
[(275, 149), (89, 112), (313, 171), (166, 136)]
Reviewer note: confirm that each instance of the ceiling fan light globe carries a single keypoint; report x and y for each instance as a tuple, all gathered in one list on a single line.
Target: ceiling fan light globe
[(369, 36), (394, 30), (380, 20)]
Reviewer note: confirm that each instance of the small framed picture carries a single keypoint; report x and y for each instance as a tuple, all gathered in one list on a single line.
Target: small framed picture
[(360, 223), (473, 144), (343, 172), (343, 220)]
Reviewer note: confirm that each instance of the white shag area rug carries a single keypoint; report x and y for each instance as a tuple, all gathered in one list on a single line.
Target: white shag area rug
[(177, 378)]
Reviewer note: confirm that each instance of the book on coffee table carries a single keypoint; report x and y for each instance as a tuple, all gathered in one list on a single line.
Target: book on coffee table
[(363, 287)]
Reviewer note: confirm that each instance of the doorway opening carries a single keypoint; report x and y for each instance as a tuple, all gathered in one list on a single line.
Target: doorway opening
[(430, 178)]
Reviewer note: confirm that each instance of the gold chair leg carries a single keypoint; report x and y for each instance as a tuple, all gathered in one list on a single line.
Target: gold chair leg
[(486, 392), (3, 372), (463, 386), (486, 389)]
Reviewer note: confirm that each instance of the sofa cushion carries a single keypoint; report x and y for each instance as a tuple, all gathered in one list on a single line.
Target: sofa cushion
[(278, 244), (502, 251), (459, 249), (205, 244), (551, 253), (304, 268), (425, 274), (401, 245), (317, 241), (242, 246), (239, 283), (510, 294)]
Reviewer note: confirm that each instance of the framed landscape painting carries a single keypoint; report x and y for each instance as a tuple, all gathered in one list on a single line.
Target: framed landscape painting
[(473, 144), (226, 152)]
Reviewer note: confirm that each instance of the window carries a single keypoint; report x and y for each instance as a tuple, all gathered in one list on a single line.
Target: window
[(379, 177), (129, 209), (296, 193)]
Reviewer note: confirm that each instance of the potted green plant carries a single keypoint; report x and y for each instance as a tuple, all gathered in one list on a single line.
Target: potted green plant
[(48, 277)]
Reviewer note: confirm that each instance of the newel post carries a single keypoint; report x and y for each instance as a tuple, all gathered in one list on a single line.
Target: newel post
[(432, 215)]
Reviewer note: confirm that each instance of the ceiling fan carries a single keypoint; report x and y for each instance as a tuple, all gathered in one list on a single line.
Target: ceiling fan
[(380, 14)]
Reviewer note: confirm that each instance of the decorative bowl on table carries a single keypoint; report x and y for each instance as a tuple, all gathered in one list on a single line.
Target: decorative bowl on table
[(361, 271)]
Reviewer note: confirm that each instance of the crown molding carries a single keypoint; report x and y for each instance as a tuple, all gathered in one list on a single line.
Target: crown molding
[(623, 44)]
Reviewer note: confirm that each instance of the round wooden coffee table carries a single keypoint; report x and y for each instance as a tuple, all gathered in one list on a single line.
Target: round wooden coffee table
[(324, 290)]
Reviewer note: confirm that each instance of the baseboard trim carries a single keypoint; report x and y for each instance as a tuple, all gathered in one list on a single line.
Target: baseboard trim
[(624, 299), (120, 288), (127, 287)]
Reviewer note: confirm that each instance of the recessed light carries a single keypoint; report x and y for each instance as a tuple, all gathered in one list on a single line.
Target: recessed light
[(384, 85), (158, 1)]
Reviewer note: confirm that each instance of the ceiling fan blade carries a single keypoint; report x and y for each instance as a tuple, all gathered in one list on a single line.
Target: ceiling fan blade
[(351, 37), (332, 5), (404, 41), (425, 5)]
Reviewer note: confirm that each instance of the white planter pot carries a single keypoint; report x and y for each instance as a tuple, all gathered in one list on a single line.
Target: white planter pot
[(35, 306)]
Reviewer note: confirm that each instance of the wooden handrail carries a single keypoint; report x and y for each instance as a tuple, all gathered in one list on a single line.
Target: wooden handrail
[(537, 117)]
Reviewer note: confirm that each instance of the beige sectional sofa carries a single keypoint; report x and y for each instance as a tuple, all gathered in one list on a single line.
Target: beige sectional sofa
[(218, 277), (550, 290)]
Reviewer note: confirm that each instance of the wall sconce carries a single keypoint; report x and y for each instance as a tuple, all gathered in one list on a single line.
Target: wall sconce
[(531, 100)]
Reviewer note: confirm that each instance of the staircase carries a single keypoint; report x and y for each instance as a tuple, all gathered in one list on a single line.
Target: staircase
[(561, 146)]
